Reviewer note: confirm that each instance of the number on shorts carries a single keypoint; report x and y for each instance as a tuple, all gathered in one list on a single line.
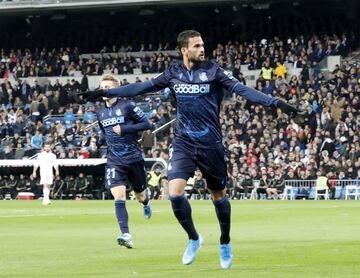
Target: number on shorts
[(110, 174), (170, 152)]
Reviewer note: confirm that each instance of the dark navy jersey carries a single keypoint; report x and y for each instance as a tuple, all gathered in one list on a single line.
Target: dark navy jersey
[(198, 93), (123, 148)]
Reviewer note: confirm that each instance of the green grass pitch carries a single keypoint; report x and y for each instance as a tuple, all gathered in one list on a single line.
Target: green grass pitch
[(270, 239)]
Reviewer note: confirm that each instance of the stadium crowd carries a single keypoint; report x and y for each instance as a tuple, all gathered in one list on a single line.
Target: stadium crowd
[(261, 144), (299, 51)]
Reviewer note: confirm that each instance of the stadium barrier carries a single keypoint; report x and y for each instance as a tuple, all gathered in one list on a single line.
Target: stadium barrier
[(90, 166), (250, 76), (344, 189)]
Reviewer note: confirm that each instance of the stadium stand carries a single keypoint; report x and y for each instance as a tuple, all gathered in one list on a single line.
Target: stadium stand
[(260, 146)]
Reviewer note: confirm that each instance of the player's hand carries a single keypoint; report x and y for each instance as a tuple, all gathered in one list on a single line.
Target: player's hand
[(288, 109), (57, 173), (91, 95), (34, 175), (117, 129)]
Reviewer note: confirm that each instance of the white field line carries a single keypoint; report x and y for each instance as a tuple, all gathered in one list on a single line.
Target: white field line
[(59, 215)]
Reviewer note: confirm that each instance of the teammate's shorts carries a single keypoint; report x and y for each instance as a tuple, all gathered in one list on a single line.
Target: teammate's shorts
[(47, 178), (211, 162), (131, 175)]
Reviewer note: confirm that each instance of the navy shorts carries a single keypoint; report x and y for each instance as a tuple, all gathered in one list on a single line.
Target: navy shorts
[(211, 162), (132, 176)]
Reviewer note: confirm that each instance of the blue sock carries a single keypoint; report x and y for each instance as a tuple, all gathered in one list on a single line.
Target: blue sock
[(182, 211), (223, 212), (122, 216)]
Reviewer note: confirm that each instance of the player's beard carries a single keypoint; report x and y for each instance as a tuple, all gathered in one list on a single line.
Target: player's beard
[(196, 60)]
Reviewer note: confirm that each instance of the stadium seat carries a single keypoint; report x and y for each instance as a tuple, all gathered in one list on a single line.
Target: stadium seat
[(352, 191), (289, 193), (321, 188)]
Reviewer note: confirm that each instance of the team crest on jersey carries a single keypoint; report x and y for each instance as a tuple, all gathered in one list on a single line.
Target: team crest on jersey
[(203, 76), (118, 112)]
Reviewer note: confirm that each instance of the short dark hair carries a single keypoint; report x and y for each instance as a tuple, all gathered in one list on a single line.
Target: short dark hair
[(184, 36)]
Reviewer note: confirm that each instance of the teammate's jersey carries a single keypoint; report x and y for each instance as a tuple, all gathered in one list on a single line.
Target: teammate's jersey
[(123, 148), (46, 162), (198, 93)]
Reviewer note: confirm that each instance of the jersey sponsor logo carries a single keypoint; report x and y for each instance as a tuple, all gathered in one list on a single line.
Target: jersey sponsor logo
[(192, 88), (113, 121), (203, 77)]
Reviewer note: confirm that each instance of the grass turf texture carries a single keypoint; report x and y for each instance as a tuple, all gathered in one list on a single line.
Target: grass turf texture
[(270, 239)]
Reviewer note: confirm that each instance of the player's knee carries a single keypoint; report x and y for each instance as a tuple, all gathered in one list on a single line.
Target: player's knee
[(119, 197), (140, 196), (177, 187), (175, 191), (118, 193), (218, 195)]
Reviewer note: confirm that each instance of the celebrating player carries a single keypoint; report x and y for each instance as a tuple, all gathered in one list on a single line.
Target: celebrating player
[(120, 121), (46, 160), (197, 85)]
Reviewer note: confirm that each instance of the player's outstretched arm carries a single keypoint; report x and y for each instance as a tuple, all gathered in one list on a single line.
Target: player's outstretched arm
[(141, 121), (131, 90), (234, 86), (140, 126), (258, 97)]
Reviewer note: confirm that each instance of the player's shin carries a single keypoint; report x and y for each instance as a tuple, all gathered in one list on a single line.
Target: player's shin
[(223, 212), (122, 216), (182, 211), (143, 197), (46, 192)]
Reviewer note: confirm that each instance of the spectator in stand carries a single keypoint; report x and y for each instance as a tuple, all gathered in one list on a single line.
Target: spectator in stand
[(10, 186), (239, 187), (272, 190), (147, 141), (37, 140), (199, 187), (89, 116), (81, 185), (3, 186), (280, 70), (267, 71), (70, 185), (59, 188), (268, 88), (153, 181), (94, 152), (21, 184)]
